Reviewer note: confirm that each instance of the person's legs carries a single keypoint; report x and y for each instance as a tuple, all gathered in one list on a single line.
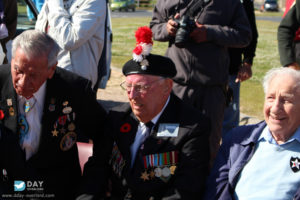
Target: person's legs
[(211, 102), (232, 112)]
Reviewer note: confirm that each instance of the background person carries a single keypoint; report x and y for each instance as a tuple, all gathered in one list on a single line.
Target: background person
[(241, 60), (288, 38), (261, 161), (78, 28), (47, 108), (202, 64), (38, 4)]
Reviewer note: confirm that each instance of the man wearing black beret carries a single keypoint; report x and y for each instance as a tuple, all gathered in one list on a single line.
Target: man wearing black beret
[(158, 145)]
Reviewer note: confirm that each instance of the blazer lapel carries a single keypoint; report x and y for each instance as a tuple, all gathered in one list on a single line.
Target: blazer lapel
[(9, 105)]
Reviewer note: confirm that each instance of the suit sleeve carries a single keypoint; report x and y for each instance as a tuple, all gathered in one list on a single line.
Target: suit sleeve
[(189, 182), (249, 51), (159, 22), (286, 33), (96, 170)]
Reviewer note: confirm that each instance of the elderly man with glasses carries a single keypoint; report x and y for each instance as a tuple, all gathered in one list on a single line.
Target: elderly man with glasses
[(158, 145)]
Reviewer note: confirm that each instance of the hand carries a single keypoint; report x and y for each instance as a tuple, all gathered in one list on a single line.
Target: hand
[(294, 66), (199, 33), (172, 26), (55, 3), (244, 73)]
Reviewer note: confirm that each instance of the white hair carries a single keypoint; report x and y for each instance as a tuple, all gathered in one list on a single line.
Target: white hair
[(280, 71), (35, 43)]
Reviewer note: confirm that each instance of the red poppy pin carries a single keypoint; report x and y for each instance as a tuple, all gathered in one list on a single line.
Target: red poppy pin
[(1, 114), (125, 128)]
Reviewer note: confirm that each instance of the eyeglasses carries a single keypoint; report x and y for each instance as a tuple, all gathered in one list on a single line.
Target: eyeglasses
[(141, 88)]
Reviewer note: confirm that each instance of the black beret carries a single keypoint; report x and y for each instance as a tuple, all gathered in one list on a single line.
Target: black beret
[(152, 65)]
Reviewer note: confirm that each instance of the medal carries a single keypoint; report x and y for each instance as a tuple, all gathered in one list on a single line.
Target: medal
[(68, 141), (54, 133), (67, 110), (9, 102), (172, 169), (11, 111), (152, 174), (51, 107), (71, 127), (165, 172), (157, 172), (62, 130), (145, 176)]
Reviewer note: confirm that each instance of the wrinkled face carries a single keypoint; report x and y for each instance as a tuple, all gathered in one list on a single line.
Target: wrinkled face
[(28, 75), (147, 103), (282, 106)]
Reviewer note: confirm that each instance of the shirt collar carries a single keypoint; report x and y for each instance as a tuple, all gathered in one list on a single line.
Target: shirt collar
[(267, 136), (38, 95)]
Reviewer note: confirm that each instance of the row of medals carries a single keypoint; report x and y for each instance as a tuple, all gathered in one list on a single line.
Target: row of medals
[(162, 172)]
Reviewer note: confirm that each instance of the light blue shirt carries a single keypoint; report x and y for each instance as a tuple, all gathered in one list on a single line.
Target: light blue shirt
[(269, 175)]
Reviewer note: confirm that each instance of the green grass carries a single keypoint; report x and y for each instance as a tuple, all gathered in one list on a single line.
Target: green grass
[(252, 96)]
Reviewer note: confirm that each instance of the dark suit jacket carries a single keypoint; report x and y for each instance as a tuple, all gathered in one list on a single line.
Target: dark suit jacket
[(58, 167), (191, 144)]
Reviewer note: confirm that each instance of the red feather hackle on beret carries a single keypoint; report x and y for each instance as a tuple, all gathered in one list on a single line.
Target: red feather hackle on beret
[(143, 34)]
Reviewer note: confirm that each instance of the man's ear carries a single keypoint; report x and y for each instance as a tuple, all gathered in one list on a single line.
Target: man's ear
[(51, 70)]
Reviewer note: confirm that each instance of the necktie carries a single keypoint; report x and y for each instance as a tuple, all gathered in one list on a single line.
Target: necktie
[(139, 140), (24, 126)]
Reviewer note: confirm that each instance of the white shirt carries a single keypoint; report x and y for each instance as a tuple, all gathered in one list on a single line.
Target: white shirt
[(34, 119), (141, 133)]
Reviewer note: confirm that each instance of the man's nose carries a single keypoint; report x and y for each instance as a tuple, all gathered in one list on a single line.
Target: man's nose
[(24, 81), (276, 106), (132, 92)]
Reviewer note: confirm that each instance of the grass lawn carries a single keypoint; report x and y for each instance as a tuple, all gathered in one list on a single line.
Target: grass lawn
[(267, 57)]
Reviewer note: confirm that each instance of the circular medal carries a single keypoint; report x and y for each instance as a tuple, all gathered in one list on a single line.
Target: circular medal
[(165, 172), (67, 110), (68, 141), (71, 127), (157, 172)]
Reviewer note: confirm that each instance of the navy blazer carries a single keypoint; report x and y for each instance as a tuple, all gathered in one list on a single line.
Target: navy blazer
[(56, 161)]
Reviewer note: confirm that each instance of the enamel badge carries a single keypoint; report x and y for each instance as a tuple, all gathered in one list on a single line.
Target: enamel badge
[(295, 164), (168, 130)]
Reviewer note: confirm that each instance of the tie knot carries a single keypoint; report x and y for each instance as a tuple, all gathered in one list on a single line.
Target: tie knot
[(149, 125)]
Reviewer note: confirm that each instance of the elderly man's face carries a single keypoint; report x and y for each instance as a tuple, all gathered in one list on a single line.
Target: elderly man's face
[(282, 106), (148, 102), (28, 75)]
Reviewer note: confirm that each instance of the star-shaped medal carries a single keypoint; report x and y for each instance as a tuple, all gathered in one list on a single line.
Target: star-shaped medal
[(152, 174), (145, 176), (54, 133)]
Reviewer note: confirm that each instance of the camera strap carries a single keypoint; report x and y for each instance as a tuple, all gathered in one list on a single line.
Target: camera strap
[(194, 7)]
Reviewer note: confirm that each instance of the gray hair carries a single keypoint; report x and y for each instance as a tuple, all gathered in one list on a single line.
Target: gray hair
[(280, 71), (35, 43)]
